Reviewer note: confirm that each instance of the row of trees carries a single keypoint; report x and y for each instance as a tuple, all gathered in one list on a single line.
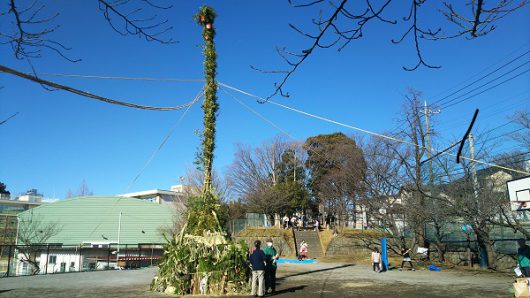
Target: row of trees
[(283, 177), (387, 180)]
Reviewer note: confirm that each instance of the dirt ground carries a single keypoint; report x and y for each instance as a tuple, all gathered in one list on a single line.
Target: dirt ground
[(294, 280)]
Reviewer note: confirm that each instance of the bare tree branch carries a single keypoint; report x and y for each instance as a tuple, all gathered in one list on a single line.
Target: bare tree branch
[(148, 27)]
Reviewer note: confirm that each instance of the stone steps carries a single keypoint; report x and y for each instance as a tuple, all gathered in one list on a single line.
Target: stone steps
[(313, 241)]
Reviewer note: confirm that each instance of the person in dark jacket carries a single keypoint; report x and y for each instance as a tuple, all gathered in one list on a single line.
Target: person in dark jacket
[(257, 263), (270, 268)]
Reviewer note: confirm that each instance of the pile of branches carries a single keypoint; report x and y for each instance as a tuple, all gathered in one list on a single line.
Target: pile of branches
[(201, 260)]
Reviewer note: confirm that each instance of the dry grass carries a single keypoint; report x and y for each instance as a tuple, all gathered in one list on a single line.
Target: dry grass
[(259, 232), (265, 232), (325, 238), (353, 233)]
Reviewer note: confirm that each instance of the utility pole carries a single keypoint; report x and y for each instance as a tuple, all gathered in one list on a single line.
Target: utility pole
[(473, 168), (483, 254), (426, 111)]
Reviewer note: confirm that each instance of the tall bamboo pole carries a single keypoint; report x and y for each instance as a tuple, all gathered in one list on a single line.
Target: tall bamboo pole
[(205, 18)]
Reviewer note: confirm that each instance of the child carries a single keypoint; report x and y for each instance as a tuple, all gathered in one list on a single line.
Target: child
[(303, 251), (376, 260), (406, 258)]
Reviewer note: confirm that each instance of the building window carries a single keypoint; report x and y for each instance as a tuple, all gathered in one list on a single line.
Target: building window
[(52, 259)]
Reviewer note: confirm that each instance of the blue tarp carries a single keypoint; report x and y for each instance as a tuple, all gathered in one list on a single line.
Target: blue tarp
[(434, 268), (384, 256), (295, 261)]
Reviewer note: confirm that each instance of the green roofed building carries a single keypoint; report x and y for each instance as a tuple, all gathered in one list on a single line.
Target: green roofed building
[(91, 233)]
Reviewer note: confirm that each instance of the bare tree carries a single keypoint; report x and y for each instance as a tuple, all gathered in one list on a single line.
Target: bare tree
[(33, 233), (83, 190), (384, 180), (261, 177), (193, 181), (256, 169), (522, 135), (32, 27), (341, 22)]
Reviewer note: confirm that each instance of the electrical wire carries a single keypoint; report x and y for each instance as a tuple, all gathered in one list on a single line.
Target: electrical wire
[(481, 71), (487, 89), (88, 94), (364, 130), (261, 99), (124, 78), (481, 78)]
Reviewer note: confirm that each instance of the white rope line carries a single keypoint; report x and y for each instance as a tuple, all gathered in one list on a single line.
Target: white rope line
[(166, 138), (368, 131), (122, 78), (260, 115), (292, 109)]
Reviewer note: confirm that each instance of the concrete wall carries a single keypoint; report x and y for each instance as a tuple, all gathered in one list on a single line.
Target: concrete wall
[(280, 243)]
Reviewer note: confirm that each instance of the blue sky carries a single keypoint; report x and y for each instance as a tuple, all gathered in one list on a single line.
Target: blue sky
[(59, 139)]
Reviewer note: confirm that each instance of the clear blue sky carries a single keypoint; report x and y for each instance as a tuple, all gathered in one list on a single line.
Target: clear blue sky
[(58, 139)]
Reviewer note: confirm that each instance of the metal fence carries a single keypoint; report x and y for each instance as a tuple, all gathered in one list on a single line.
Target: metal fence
[(21, 260), (248, 220)]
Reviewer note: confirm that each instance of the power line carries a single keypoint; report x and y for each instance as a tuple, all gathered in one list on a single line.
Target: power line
[(87, 94), (125, 78), (361, 129), (481, 71), (483, 77), (494, 86), (501, 135), (8, 118), (457, 121)]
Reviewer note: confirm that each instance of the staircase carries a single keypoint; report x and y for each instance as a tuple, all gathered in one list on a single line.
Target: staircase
[(313, 241)]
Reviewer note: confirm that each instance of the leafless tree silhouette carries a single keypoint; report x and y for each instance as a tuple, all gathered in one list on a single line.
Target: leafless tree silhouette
[(344, 25), (32, 27)]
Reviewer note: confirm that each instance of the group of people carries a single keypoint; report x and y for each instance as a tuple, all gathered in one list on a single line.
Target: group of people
[(377, 260), (299, 222), (263, 264)]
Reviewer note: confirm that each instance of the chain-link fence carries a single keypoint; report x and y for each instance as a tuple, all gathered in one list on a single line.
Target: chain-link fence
[(20, 260), (249, 220)]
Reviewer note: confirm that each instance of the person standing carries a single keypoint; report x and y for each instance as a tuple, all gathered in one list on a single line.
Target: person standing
[(406, 258), (303, 251), (271, 255), (316, 225), (286, 222), (376, 260), (300, 224), (257, 263), (523, 257)]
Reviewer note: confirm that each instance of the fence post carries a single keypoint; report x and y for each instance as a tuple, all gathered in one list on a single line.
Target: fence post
[(9, 260), (108, 258), (80, 257), (47, 258), (139, 254), (127, 258), (152, 250)]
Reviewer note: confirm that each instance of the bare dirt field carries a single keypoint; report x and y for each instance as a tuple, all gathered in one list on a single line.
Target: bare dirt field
[(294, 280)]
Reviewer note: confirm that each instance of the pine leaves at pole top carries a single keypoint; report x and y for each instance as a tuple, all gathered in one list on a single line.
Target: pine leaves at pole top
[(206, 17)]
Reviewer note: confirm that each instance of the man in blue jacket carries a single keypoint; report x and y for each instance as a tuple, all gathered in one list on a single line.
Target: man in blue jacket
[(257, 263)]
